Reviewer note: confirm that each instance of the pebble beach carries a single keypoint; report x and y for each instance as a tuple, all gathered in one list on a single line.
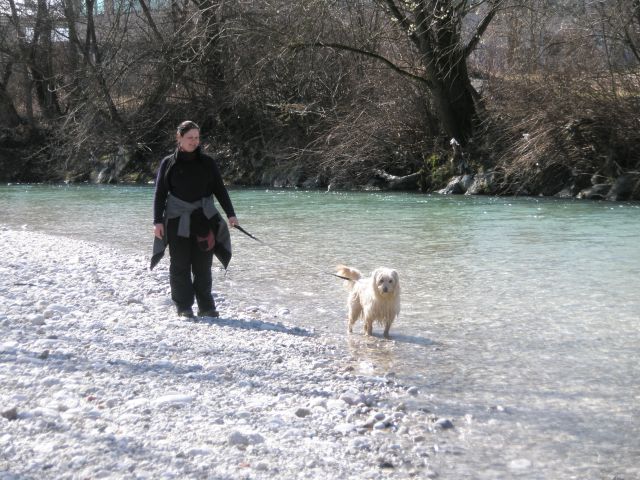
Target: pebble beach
[(100, 379)]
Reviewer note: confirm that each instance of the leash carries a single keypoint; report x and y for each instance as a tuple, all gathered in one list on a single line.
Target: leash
[(286, 254)]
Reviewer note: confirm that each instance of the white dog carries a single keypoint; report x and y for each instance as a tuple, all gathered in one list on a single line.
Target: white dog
[(376, 298)]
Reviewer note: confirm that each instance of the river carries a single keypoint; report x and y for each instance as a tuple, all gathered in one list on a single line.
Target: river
[(520, 316)]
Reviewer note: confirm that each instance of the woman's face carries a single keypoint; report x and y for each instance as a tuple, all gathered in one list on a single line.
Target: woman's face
[(189, 141)]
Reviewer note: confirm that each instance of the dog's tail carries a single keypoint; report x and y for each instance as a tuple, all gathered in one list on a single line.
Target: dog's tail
[(353, 274)]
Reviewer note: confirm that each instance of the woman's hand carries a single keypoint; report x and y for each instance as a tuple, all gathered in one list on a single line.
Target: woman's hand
[(158, 230), (233, 221)]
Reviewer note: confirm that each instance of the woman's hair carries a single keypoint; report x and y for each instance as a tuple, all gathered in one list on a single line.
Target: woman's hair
[(185, 126)]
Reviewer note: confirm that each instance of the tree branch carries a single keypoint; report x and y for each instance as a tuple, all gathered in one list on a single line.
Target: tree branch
[(380, 58), (395, 11), (482, 27), (150, 21)]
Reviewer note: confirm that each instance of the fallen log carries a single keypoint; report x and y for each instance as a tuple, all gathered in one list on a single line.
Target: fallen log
[(386, 181)]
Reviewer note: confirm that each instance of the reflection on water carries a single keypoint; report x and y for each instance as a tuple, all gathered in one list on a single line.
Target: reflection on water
[(518, 315)]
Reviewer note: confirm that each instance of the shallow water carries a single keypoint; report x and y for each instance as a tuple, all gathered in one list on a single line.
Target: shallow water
[(520, 316)]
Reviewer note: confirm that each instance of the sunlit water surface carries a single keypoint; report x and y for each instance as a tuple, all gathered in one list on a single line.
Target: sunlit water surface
[(520, 316)]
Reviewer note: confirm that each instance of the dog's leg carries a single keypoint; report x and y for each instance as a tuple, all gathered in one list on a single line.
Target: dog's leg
[(387, 326), (368, 325), (355, 310)]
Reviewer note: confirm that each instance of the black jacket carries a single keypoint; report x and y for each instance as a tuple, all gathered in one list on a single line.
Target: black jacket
[(200, 178), (189, 182)]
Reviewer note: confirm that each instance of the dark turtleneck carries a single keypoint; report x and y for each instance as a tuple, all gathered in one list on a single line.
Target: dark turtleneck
[(190, 177)]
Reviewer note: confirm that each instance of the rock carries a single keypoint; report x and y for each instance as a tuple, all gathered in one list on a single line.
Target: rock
[(335, 404), (466, 181), (55, 310), (380, 425), (621, 189), (499, 408), (483, 183), (444, 424), (413, 390), (136, 402), (458, 185), (520, 464), (454, 187), (360, 443), (302, 412), (10, 348), (566, 192), (345, 428), (175, 400), (11, 414), (36, 319), (379, 416), (351, 398), (597, 192), (244, 439)]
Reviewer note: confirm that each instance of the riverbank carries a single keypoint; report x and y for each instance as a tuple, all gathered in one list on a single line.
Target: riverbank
[(99, 379)]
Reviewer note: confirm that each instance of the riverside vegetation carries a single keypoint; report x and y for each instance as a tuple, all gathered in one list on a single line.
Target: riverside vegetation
[(479, 96)]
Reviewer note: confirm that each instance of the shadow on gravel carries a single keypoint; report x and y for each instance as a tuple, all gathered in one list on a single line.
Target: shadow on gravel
[(260, 325)]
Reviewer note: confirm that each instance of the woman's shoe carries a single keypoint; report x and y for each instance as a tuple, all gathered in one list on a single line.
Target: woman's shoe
[(185, 313), (209, 313)]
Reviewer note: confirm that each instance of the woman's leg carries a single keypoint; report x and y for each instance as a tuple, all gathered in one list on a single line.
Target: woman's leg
[(202, 280), (180, 250)]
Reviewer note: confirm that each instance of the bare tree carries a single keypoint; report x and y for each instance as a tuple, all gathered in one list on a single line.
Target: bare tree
[(435, 30), (8, 113)]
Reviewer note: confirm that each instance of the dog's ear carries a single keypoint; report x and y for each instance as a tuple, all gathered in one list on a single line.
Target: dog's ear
[(396, 281), (375, 276)]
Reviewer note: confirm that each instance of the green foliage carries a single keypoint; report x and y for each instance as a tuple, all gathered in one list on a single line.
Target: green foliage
[(435, 172)]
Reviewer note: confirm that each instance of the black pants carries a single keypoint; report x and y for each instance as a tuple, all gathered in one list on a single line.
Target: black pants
[(189, 271)]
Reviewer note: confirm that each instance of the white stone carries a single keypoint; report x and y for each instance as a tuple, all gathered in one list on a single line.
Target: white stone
[(520, 464), (345, 428), (136, 403), (36, 319), (174, 399), (9, 347), (239, 438)]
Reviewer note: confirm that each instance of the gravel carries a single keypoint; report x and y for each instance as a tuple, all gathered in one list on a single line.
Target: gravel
[(100, 379)]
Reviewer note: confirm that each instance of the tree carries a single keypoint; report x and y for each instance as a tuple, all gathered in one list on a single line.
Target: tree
[(435, 27), (8, 113), (440, 34)]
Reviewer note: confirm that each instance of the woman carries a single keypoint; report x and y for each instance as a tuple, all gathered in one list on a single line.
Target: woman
[(186, 219)]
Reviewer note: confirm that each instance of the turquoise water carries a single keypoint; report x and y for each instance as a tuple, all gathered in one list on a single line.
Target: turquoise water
[(520, 316)]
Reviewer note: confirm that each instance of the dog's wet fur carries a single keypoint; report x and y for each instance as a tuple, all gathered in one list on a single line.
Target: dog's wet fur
[(374, 299)]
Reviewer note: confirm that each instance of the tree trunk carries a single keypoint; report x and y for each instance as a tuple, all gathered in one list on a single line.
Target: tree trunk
[(455, 104), (437, 37), (434, 27), (40, 61), (8, 113)]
